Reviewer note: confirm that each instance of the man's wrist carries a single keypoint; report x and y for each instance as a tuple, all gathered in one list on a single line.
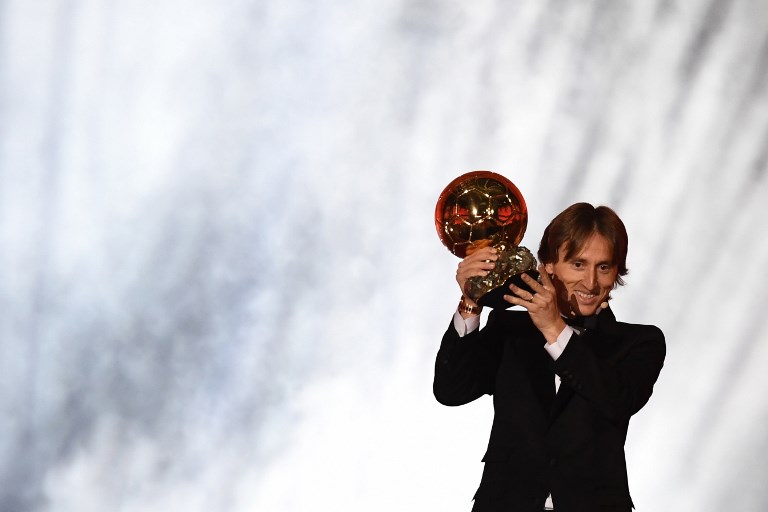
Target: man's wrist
[(467, 308), (554, 333)]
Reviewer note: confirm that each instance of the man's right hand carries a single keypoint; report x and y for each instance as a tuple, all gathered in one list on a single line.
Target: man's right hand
[(479, 262)]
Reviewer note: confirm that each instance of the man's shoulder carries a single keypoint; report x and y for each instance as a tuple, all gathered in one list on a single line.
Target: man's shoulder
[(647, 331), (510, 316), (511, 320), (636, 327)]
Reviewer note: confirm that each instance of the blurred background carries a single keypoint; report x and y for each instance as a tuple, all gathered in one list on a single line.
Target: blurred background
[(220, 282)]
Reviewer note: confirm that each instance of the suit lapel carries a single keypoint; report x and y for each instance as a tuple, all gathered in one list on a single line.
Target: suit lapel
[(564, 395), (595, 336), (545, 382), (539, 366)]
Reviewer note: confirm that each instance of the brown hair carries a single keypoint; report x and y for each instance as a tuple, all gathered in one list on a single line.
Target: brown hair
[(575, 225)]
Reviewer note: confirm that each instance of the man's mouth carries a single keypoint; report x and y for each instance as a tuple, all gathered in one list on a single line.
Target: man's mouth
[(586, 297)]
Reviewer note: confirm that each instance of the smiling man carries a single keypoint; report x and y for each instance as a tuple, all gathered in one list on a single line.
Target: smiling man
[(565, 375)]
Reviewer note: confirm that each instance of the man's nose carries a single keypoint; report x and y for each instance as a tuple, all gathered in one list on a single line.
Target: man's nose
[(591, 278)]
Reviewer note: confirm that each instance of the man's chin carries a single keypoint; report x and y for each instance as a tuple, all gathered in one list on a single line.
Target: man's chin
[(579, 309), (587, 310)]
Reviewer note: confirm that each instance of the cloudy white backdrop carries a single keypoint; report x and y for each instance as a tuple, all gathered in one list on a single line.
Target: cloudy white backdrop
[(220, 286)]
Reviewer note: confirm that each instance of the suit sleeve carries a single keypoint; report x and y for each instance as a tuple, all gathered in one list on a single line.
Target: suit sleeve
[(465, 367), (618, 386)]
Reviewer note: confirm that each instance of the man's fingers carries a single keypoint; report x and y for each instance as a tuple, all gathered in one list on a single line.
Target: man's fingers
[(546, 281), (521, 293), (485, 253), (475, 268), (517, 301), (536, 286)]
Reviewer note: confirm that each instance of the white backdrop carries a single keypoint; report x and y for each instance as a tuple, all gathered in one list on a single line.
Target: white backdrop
[(220, 285)]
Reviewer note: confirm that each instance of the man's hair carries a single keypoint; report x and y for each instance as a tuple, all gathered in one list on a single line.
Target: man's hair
[(575, 225)]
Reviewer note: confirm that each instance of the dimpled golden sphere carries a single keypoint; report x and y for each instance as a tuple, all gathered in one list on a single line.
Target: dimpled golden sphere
[(480, 208)]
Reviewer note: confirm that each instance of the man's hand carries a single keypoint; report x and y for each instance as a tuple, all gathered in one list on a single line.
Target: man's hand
[(477, 263), (541, 305)]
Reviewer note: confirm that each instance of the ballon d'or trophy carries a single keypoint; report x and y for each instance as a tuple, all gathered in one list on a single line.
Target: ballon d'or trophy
[(479, 209)]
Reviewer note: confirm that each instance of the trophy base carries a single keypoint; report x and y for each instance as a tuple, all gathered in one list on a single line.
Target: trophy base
[(489, 290), (495, 298)]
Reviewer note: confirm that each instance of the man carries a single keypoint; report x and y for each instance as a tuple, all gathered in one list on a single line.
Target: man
[(563, 395)]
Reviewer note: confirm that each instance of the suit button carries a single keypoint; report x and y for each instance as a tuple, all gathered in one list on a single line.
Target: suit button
[(553, 462)]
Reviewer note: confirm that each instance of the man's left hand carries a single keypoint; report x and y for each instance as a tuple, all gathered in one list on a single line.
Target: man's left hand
[(541, 304)]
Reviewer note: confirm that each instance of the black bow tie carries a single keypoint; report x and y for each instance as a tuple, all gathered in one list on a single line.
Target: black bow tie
[(582, 322)]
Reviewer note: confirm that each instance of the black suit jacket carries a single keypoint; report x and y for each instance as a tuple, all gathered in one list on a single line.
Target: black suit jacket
[(570, 444)]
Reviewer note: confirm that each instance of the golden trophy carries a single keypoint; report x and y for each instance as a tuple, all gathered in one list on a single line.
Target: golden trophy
[(483, 208)]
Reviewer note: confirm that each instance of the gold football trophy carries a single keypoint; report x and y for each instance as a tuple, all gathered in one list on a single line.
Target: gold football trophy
[(483, 208)]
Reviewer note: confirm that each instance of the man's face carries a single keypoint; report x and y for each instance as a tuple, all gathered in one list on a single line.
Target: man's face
[(584, 281)]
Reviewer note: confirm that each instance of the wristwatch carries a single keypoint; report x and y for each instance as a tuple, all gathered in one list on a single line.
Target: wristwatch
[(465, 307)]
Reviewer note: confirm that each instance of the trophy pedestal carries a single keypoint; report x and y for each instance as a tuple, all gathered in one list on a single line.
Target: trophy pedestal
[(495, 298), (488, 291)]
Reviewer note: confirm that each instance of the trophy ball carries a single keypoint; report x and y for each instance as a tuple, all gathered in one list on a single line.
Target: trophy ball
[(480, 208)]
